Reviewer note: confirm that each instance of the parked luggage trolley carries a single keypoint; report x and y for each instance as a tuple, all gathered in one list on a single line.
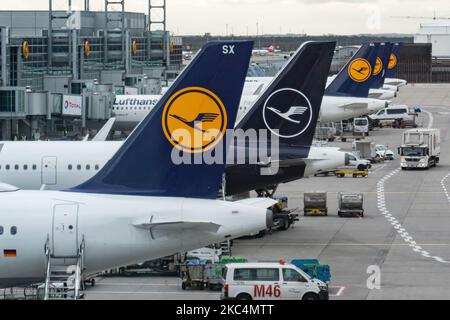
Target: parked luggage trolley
[(314, 269), (201, 274), (351, 204), (193, 274), (315, 204)]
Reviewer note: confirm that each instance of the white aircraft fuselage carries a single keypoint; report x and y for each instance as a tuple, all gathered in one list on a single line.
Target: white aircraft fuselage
[(333, 108), (60, 165), (117, 230)]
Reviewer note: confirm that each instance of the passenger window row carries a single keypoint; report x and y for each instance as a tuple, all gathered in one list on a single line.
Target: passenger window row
[(12, 230), (17, 167), (130, 108), (79, 167), (34, 167)]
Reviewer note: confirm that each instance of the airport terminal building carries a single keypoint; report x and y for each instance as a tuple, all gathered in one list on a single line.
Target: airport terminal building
[(60, 70)]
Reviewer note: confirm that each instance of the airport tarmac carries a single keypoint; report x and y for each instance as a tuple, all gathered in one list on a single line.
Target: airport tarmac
[(405, 232)]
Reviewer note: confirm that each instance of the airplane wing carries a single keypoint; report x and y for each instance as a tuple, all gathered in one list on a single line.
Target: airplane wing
[(102, 135), (154, 224), (355, 106), (264, 203)]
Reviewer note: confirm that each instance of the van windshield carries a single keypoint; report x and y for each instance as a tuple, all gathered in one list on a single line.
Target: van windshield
[(413, 152), (361, 122)]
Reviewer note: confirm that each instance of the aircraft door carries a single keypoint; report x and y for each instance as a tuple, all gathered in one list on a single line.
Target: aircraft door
[(65, 231), (49, 171)]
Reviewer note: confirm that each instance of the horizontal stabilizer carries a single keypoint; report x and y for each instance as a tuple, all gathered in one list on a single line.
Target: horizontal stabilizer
[(264, 203), (156, 224), (355, 106)]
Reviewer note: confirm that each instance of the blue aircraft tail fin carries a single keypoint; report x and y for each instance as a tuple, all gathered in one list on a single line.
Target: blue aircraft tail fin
[(379, 72), (290, 105), (190, 119), (394, 59), (354, 79)]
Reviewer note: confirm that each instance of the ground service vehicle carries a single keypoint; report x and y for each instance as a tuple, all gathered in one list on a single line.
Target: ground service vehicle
[(351, 204), (355, 162), (421, 149), (271, 281), (383, 152), (361, 126), (341, 173), (392, 114), (366, 150), (315, 204)]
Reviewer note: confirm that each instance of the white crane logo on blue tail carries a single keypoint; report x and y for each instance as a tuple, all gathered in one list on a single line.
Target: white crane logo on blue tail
[(287, 113), (292, 112)]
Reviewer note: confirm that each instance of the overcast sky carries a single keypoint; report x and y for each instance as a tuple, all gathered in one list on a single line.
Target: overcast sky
[(276, 16)]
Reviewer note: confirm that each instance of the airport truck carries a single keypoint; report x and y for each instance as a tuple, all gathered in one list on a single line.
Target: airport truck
[(421, 149)]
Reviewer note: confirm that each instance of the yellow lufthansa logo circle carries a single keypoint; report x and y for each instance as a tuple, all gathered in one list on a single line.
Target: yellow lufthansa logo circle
[(360, 70), (134, 47), (25, 50), (392, 61), (194, 120), (378, 67), (87, 49)]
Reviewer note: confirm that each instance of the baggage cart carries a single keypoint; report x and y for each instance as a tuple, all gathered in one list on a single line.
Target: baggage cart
[(351, 204), (315, 204)]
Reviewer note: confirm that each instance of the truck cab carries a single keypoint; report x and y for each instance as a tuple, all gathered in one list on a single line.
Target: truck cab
[(420, 149)]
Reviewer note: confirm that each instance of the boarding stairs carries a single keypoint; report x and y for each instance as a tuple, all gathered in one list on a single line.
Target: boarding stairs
[(64, 275)]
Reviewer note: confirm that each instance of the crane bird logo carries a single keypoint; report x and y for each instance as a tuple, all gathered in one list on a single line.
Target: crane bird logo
[(194, 120), (378, 67), (360, 70), (287, 113), (292, 112), (392, 61), (201, 119)]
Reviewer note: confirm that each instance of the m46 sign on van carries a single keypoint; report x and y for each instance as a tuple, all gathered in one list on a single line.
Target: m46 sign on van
[(270, 291)]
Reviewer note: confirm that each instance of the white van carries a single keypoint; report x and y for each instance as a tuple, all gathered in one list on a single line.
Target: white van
[(392, 113), (270, 281), (361, 126)]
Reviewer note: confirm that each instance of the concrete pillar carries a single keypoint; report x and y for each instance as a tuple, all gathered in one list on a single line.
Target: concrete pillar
[(127, 52), (4, 63), (83, 109), (74, 54)]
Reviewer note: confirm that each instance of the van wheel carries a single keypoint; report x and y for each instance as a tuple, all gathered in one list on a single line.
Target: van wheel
[(310, 297), (243, 297)]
